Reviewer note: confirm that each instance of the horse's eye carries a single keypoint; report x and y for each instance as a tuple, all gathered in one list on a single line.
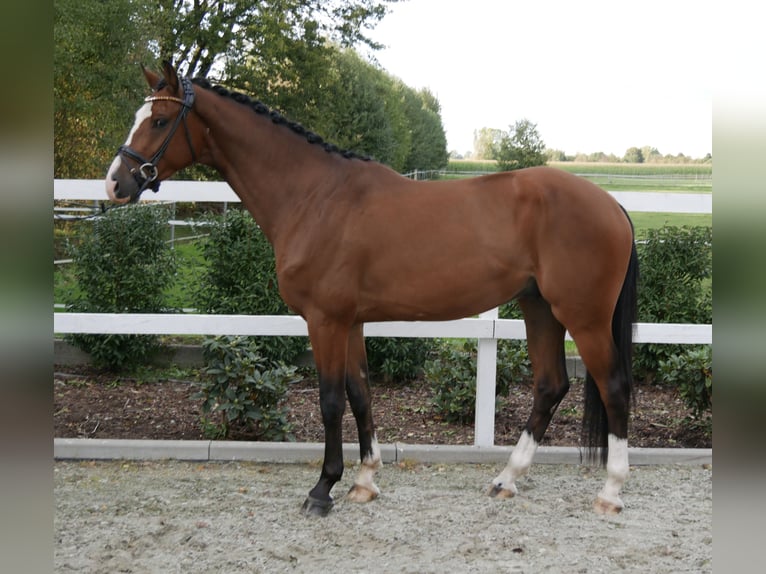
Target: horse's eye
[(159, 123)]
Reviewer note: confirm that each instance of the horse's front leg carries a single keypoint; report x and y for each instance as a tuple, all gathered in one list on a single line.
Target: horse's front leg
[(358, 392), (329, 341)]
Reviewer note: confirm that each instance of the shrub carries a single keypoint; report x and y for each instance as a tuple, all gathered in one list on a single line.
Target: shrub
[(241, 278), (513, 364), (452, 376), (398, 358), (676, 265), (121, 264), (692, 372), (244, 390)]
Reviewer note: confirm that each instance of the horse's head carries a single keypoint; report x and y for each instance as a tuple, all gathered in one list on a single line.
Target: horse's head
[(156, 148)]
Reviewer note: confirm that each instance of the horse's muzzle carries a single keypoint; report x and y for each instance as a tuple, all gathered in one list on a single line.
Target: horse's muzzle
[(112, 189)]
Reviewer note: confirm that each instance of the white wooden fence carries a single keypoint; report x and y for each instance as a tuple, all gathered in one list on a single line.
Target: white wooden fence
[(487, 328)]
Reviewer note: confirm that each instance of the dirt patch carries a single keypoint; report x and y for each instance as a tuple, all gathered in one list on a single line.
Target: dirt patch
[(90, 404), (172, 516)]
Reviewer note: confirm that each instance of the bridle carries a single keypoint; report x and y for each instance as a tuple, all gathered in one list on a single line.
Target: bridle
[(146, 172)]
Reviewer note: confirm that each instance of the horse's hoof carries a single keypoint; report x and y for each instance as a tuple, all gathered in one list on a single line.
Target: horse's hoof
[(607, 508), (359, 493), (497, 491), (316, 507)]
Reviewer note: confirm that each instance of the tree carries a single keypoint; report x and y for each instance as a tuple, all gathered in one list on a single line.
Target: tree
[(555, 155), (634, 155), (202, 37), (650, 153), (486, 142), (94, 99), (521, 147), (428, 142), (291, 54), (355, 112)]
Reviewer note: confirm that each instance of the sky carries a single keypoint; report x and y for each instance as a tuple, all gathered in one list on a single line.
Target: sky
[(595, 76)]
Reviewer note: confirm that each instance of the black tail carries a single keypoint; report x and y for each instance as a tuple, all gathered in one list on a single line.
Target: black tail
[(595, 428)]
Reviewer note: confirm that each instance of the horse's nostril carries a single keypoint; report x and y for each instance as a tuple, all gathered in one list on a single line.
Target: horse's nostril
[(112, 189)]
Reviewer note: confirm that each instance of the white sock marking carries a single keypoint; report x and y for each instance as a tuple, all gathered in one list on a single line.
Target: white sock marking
[(370, 464), (519, 463), (617, 469)]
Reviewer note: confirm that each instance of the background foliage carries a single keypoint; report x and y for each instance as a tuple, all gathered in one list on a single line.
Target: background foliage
[(398, 359), (521, 147), (94, 99), (676, 267), (451, 373), (240, 278), (242, 391), (692, 372), (295, 55), (122, 264)]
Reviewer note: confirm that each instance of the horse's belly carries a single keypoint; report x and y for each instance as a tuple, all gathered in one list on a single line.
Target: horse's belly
[(452, 292)]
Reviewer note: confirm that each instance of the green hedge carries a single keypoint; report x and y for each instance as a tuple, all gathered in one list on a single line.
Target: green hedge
[(121, 264), (675, 286), (398, 359), (240, 278)]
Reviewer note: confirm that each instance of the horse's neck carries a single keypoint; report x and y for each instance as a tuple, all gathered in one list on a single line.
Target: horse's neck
[(270, 168)]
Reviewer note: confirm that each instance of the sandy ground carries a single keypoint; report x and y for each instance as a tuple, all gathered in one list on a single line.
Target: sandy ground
[(167, 517)]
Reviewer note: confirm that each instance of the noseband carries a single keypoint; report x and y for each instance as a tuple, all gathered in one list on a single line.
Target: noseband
[(146, 172)]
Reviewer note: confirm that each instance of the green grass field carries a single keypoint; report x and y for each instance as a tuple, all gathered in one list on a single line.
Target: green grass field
[(687, 178), (643, 220), (702, 170)]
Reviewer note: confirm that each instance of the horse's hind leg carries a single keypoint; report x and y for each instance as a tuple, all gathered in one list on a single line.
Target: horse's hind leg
[(358, 393), (545, 341), (606, 412)]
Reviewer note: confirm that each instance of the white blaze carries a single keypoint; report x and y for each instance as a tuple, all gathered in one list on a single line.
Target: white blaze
[(142, 114)]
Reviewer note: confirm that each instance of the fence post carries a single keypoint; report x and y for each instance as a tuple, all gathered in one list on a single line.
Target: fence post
[(486, 373), (173, 227)]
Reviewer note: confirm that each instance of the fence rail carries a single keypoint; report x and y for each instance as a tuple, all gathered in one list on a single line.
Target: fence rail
[(487, 328), (218, 191), (291, 325)]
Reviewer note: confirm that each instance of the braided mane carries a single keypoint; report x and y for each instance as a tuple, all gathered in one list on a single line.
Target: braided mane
[(262, 109)]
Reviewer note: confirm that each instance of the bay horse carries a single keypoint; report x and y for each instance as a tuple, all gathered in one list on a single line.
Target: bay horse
[(355, 242)]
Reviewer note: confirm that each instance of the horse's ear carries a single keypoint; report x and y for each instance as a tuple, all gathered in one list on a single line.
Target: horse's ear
[(151, 78), (171, 76)]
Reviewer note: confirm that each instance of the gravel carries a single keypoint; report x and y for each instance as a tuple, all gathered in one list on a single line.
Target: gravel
[(171, 516)]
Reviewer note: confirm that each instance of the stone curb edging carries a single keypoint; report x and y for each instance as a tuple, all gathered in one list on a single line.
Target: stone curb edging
[(290, 452)]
